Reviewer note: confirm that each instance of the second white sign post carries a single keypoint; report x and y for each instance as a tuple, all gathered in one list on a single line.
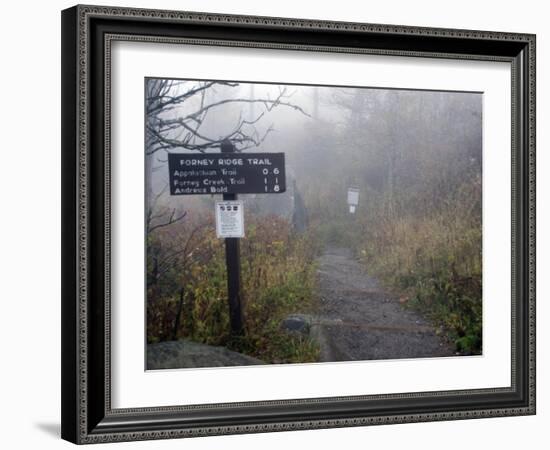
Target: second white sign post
[(353, 199)]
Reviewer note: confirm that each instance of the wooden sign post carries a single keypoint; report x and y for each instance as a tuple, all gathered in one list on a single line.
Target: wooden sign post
[(233, 263), (229, 173)]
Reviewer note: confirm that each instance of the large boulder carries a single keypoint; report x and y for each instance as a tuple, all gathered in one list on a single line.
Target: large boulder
[(186, 354)]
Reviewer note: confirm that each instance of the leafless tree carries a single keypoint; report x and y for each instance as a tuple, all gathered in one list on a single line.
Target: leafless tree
[(176, 112)]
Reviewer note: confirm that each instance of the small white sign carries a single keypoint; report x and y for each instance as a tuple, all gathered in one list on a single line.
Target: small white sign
[(230, 219), (353, 196)]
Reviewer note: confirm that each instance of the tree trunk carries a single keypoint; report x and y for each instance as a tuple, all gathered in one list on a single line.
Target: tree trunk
[(178, 316)]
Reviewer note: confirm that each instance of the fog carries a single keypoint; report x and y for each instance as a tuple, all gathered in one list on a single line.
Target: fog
[(383, 198), (393, 145)]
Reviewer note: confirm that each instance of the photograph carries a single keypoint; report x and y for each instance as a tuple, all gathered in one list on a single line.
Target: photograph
[(277, 223), (296, 223)]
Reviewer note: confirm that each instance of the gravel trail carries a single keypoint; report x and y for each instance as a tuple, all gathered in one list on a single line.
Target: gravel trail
[(359, 320)]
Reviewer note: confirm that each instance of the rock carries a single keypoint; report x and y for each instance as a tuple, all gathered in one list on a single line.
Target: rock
[(297, 323), (185, 354)]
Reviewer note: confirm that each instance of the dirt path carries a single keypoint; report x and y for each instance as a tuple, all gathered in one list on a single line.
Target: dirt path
[(358, 320)]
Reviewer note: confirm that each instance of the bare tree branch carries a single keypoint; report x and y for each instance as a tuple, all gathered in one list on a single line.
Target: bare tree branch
[(168, 127), (173, 219), (160, 128)]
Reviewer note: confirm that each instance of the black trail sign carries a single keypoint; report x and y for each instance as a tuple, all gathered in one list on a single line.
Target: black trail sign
[(226, 173)]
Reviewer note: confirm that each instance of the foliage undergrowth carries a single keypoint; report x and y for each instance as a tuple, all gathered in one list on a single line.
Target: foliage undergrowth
[(435, 261), (277, 279)]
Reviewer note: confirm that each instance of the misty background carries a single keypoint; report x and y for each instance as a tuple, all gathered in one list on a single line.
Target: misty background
[(397, 146), (414, 156)]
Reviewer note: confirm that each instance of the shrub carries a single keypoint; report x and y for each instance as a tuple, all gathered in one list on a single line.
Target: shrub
[(435, 261), (277, 279)]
